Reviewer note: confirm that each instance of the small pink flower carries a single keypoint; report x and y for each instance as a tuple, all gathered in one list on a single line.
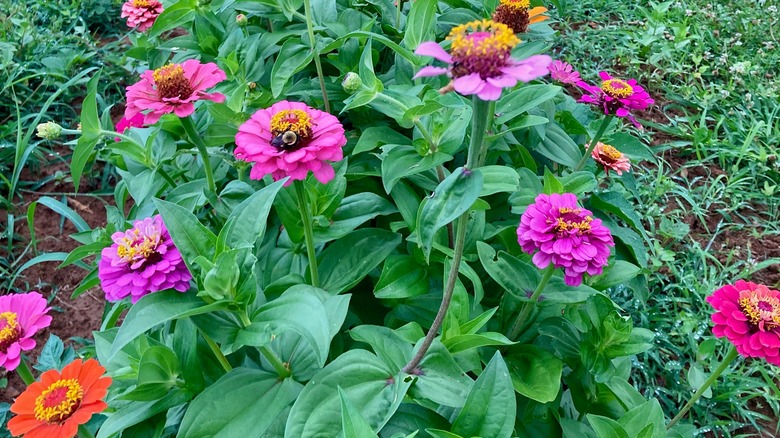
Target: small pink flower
[(480, 60), (291, 139), (616, 96), (137, 121), (141, 13), (565, 235), (142, 260), (21, 317), (748, 314), (173, 89), (563, 72), (610, 158)]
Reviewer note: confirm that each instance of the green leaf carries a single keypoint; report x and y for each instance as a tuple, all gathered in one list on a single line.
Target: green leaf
[(61, 209), (293, 57), (551, 183), (158, 308), (523, 99), (192, 239), (387, 344), (618, 272), (54, 355), (354, 211), (452, 198), (368, 382), (402, 161), (490, 409), (441, 380), (135, 412), (346, 261), (498, 179), (90, 131), (631, 146), (179, 14), (607, 427), (323, 11), (459, 343), (579, 183), (242, 403), (559, 147), (247, 222), (375, 136), (354, 425), (535, 372), (647, 416), (516, 277), (157, 372), (402, 277), (421, 23), (616, 204)]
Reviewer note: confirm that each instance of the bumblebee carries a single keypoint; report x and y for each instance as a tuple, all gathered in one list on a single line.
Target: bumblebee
[(287, 140)]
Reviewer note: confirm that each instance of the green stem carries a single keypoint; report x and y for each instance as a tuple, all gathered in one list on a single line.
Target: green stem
[(25, 373), (166, 177), (478, 123), (280, 367), (315, 54), (84, 432), (604, 123), (308, 233), (217, 352), (730, 356), (399, 5), (521, 318), (491, 116), (192, 133)]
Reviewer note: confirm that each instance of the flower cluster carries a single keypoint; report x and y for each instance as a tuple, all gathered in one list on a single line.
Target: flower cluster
[(556, 230), (21, 317), (142, 260), (616, 96)]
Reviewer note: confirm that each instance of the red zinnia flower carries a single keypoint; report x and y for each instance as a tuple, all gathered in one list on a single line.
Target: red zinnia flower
[(616, 96), (748, 314), (58, 403)]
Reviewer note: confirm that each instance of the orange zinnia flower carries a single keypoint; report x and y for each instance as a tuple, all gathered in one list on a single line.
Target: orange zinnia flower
[(518, 14), (55, 406)]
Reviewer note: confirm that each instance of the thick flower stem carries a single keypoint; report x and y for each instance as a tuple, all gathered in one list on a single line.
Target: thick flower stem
[(308, 233), (192, 133), (521, 318), (730, 356), (315, 53), (217, 352), (478, 124), (25, 373), (604, 123)]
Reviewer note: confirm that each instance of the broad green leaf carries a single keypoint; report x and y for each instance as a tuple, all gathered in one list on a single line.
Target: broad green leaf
[(401, 161), (441, 380), (452, 198), (421, 23), (523, 99), (157, 372), (247, 222), (353, 212), (536, 373), (387, 344), (90, 131), (498, 179), (617, 272), (242, 403), (490, 409), (292, 58), (174, 16), (346, 261), (638, 419), (135, 412), (515, 276), (352, 422), (402, 277), (607, 427), (465, 342), (323, 11), (559, 147), (630, 145), (413, 417), (192, 239), (579, 183), (368, 382), (375, 136), (55, 356)]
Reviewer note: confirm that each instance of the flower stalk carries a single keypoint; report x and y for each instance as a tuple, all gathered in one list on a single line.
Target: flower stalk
[(282, 369), (308, 232), (192, 133), (25, 373), (478, 128), (315, 53), (534, 301), (217, 352), (592, 145), (730, 356)]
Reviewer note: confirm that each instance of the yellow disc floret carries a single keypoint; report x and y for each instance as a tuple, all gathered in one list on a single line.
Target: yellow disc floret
[(761, 307), (518, 5), (297, 121), (617, 88), (566, 224), (134, 247), (58, 402), (171, 82), (609, 152), (482, 38), (9, 329), (141, 3)]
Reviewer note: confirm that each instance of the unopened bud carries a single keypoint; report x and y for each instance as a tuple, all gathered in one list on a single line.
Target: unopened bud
[(252, 85), (241, 19), (49, 130), (351, 83)]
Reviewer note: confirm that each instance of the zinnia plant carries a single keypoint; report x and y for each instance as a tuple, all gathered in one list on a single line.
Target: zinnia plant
[(518, 14), (142, 260), (616, 96), (21, 317), (59, 402), (480, 60), (141, 14), (610, 158)]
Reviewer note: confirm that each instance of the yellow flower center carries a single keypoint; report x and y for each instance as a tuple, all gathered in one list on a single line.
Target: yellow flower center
[(516, 5), (570, 220), (610, 153), (291, 129), (59, 401), (484, 38), (617, 88), (171, 82), (762, 307), (141, 3), (9, 330), (132, 249)]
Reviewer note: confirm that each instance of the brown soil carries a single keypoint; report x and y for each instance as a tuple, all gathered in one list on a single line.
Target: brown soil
[(75, 318)]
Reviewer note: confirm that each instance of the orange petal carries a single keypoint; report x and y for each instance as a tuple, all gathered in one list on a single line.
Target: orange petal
[(538, 19), (537, 10), (22, 424), (49, 431), (97, 391), (25, 403), (90, 373), (72, 370)]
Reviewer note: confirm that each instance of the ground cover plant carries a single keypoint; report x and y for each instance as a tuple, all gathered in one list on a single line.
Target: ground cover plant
[(373, 219)]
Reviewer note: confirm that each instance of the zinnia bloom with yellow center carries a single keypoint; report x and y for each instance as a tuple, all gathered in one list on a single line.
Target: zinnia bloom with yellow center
[(748, 314), (616, 96), (518, 14), (291, 139), (141, 13), (610, 158), (480, 60), (173, 88), (58, 403), (21, 317)]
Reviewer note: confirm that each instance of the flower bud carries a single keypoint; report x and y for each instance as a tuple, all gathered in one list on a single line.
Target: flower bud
[(241, 20), (351, 83), (49, 130)]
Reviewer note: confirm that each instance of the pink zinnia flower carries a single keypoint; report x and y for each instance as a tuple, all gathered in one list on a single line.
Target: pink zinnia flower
[(21, 317), (610, 158), (173, 89), (565, 235), (480, 60), (291, 139), (616, 96), (563, 72), (137, 121), (142, 260), (141, 13), (748, 314)]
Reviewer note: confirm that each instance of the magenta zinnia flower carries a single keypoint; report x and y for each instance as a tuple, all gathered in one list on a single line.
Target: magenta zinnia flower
[(748, 314), (563, 72), (173, 89), (141, 13), (610, 158), (21, 317), (480, 60), (142, 260), (565, 235), (616, 96), (291, 139)]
